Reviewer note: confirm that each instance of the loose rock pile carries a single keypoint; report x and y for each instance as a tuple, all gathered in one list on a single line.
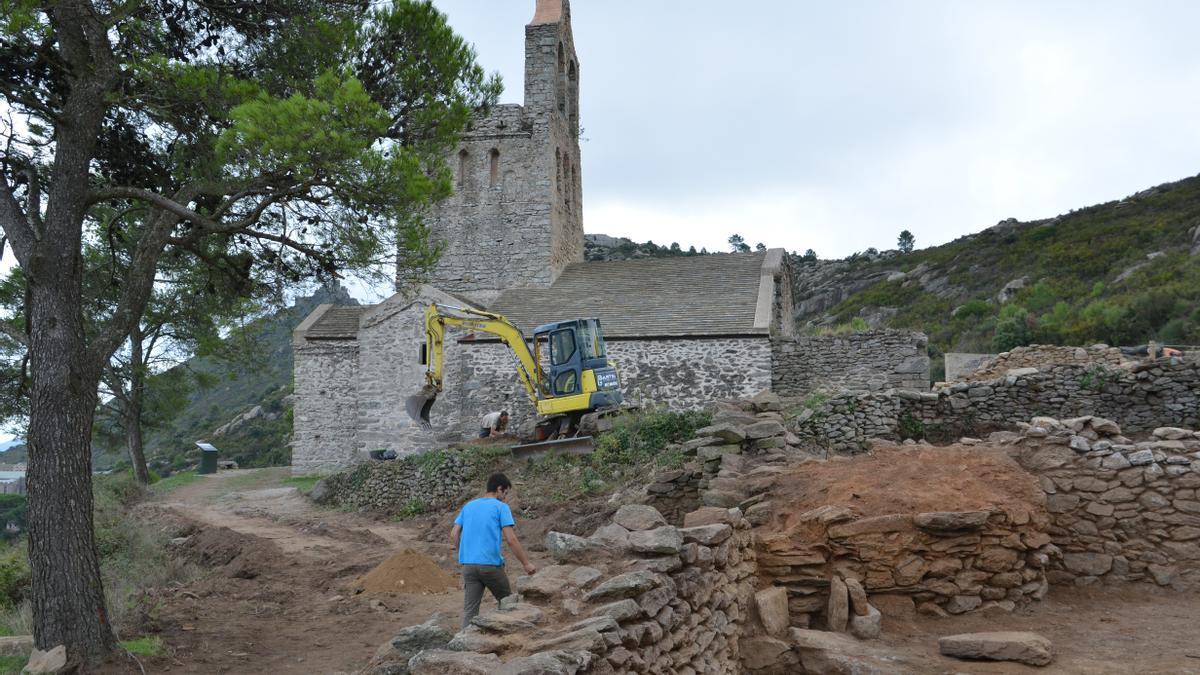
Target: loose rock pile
[(637, 596), (1045, 357), (1121, 510)]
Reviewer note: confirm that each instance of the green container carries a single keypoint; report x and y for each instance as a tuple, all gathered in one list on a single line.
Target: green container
[(208, 458)]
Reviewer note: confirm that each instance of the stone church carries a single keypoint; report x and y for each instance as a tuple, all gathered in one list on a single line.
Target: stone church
[(681, 331)]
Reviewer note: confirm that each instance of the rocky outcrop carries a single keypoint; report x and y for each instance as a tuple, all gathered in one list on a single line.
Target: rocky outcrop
[(1023, 647)]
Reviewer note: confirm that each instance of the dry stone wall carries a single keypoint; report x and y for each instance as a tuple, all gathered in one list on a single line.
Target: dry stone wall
[(1164, 392), (1043, 357), (870, 361), (411, 484), (1121, 510), (638, 596), (947, 562)]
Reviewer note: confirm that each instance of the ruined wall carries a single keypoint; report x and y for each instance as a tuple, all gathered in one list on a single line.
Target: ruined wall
[(682, 374), (1121, 511), (1165, 392), (960, 365), (1043, 357), (871, 361), (638, 596), (326, 405)]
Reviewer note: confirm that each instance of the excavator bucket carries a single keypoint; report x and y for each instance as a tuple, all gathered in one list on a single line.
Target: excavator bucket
[(418, 405)]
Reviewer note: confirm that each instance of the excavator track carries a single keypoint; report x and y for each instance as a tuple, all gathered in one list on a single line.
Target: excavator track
[(577, 445)]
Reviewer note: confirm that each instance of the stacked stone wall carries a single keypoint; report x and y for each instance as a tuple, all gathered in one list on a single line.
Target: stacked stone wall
[(1120, 510), (410, 484), (1165, 392), (326, 405), (638, 596), (950, 562), (1044, 357), (870, 361)]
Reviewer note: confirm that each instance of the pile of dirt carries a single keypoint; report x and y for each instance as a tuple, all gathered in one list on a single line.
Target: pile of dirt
[(238, 555), (912, 479), (406, 572)]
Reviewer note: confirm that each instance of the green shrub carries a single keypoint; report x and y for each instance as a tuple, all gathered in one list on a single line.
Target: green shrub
[(1012, 329), (641, 437), (911, 427), (15, 576)]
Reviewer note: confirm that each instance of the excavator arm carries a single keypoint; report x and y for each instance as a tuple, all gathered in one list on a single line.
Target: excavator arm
[(437, 318)]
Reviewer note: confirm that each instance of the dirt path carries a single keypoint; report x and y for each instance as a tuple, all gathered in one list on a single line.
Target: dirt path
[(287, 605)]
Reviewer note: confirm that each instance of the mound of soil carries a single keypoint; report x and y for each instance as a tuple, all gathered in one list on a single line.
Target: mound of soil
[(912, 479), (406, 572), (240, 556)]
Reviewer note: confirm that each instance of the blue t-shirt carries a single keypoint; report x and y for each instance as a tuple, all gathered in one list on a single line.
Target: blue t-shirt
[(481, 521)]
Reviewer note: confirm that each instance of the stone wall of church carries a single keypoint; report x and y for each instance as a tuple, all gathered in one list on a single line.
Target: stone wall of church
[(681, 374), (867, 361), (326, 405)]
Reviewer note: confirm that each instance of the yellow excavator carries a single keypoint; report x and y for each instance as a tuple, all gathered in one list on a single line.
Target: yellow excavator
[(566, 373)]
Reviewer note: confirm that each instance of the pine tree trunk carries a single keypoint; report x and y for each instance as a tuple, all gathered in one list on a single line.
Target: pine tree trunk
[(67, 593), (133, 416)]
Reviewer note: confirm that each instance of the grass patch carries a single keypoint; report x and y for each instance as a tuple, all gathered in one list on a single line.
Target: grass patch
[(302, 483), (151, 645), (175, 481), (12, 665)]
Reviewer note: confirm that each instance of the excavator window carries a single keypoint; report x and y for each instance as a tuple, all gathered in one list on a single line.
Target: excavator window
[(562, 346), (566, 383)]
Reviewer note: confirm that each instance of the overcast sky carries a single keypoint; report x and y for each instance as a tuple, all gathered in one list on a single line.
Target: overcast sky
[(834, 126)]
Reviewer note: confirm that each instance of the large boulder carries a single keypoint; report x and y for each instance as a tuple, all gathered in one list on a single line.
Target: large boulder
[(638, 517), (628, 585), (837, 654), (839, 605), (772, 605), (951, 521), (664, 540), (442, 662), (393, 656), (1024, 647), (571, 548), (50, 661)]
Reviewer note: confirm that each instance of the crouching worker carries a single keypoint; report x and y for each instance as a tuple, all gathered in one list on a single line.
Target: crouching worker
[(476, 534), (493, 424)]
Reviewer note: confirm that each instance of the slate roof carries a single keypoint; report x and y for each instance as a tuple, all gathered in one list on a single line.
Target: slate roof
[(653, 297), (339, 322)]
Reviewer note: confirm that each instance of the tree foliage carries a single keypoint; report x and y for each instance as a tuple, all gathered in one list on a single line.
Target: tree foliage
[(263, 144), (906, 241), (737, 244)]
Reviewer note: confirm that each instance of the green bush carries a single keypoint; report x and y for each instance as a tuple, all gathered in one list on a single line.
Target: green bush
[(911, 427), (15, 576), (1012, 329), (640, 437)]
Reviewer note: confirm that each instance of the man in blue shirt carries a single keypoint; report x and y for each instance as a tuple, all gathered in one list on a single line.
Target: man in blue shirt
[(476, 534)]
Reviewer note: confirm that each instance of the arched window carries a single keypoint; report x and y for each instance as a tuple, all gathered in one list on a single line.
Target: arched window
[(569, 177), (573, 97), (560, 84), (464, 159), (493, 167)]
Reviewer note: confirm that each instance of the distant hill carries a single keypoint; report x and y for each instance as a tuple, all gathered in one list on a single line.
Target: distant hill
[(1122, 272)]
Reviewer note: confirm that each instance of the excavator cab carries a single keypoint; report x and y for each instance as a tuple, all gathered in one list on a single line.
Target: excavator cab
[(578, 376)]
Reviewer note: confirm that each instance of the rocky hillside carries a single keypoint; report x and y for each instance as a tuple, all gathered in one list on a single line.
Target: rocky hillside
[(1122, 272)]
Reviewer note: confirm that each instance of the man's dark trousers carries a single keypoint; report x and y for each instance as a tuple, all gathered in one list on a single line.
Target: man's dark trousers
[(475, 579)]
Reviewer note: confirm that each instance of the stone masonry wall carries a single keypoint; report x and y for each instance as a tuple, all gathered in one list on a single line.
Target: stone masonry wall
[(516, 216), (1121, 511), (1045, 357), (638, 596), (682, 374), (1164, 392), (872, 361), (326, 405)]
